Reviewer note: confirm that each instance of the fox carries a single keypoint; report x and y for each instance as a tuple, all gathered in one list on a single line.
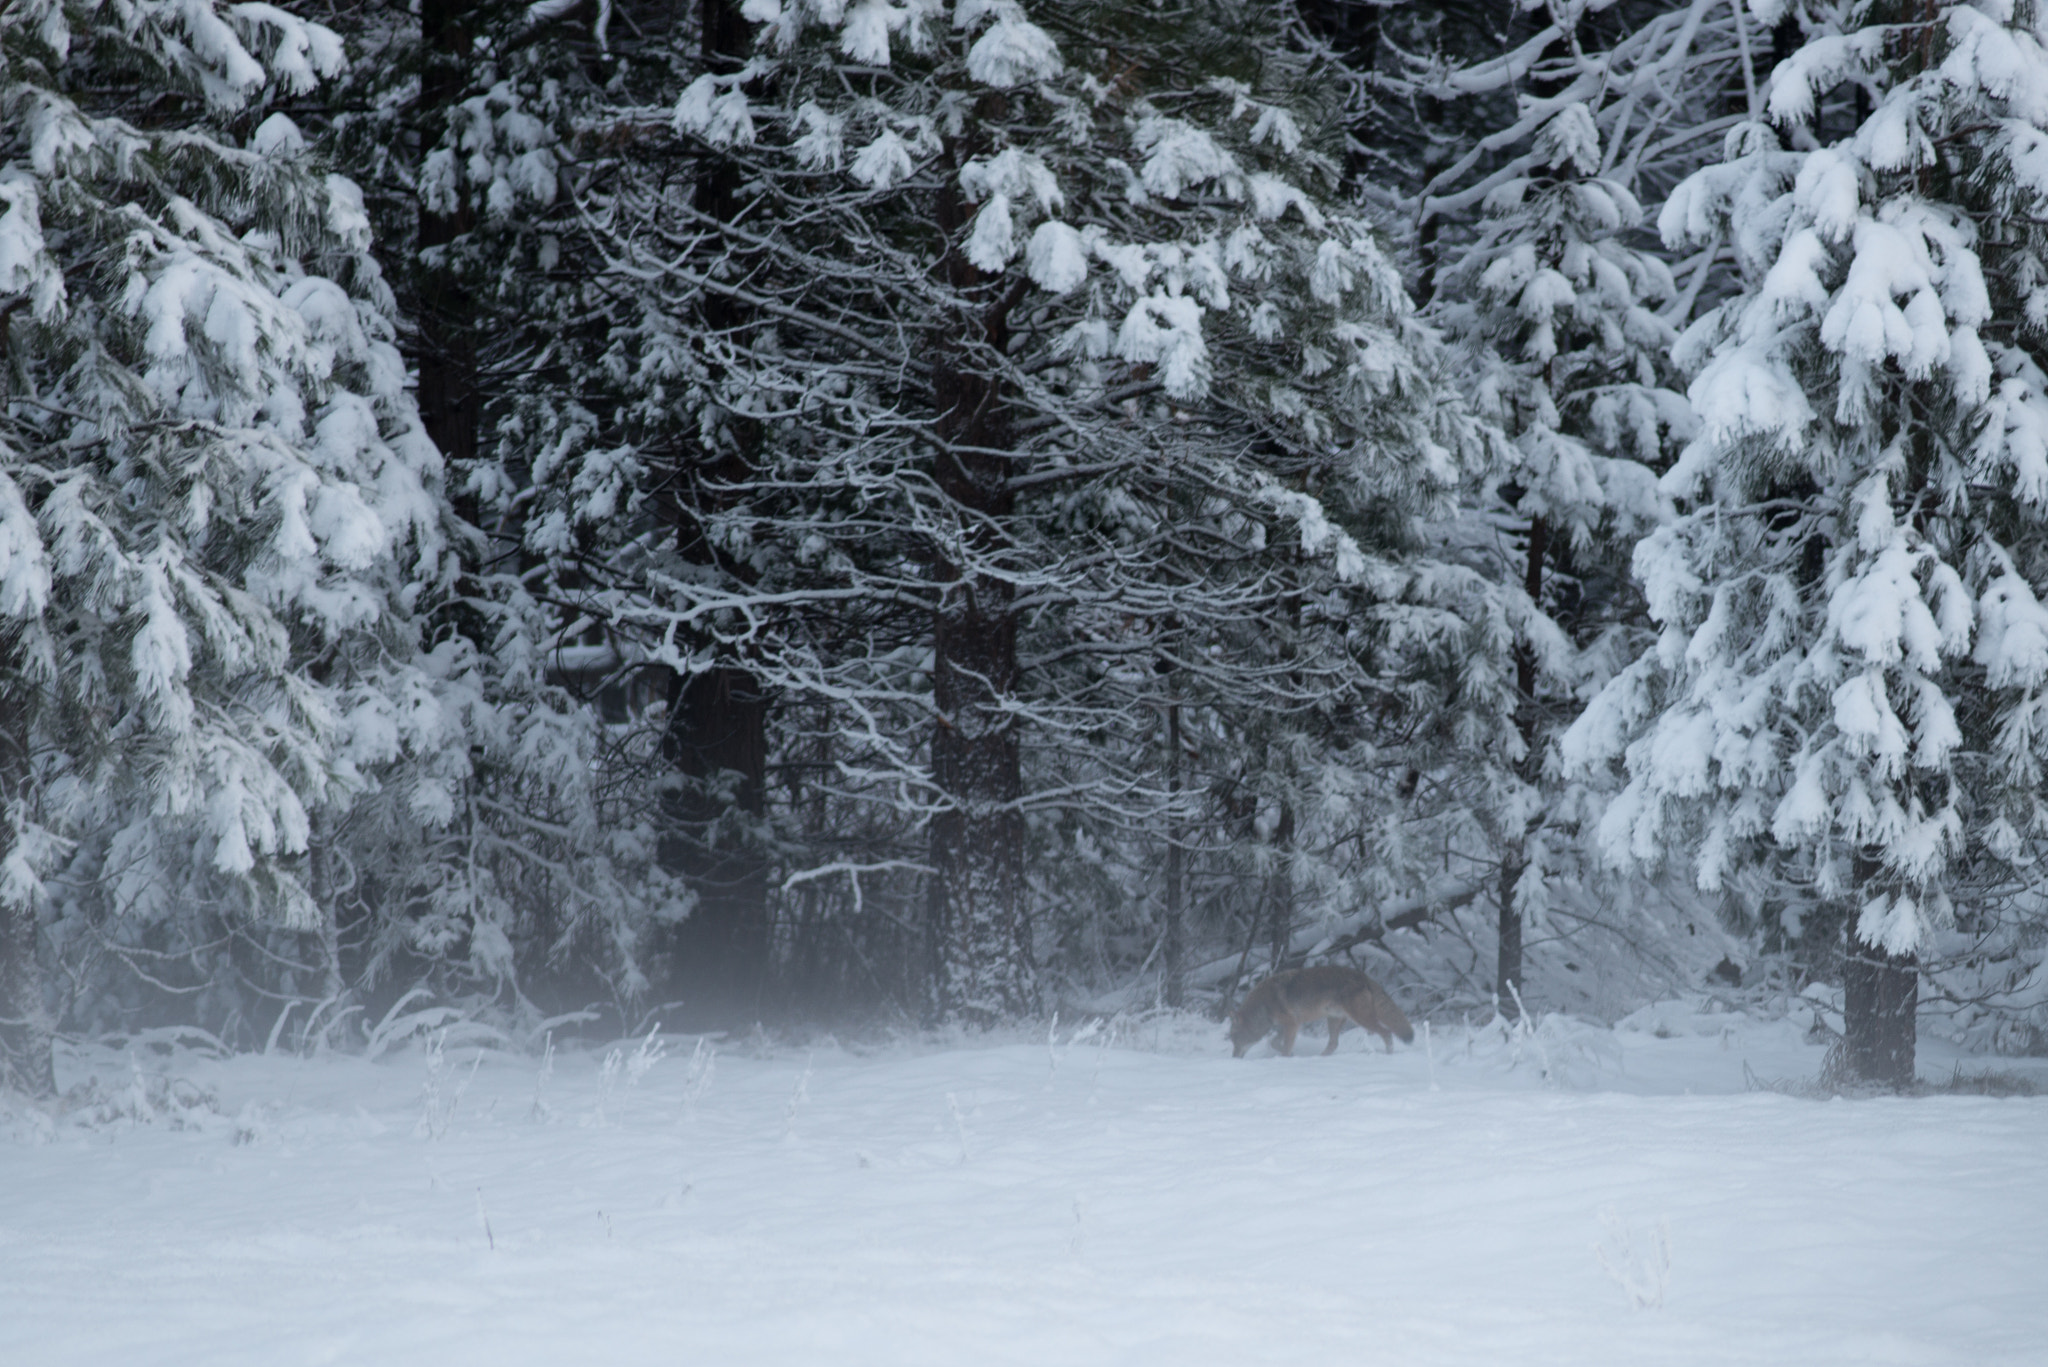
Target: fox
[(1288, 1001)]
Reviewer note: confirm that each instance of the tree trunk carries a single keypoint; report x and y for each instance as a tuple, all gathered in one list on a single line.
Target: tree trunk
[(1352, 29), (716, 961), (1280, 889), (451, 403), (1174, 989), (26, 1034), (26, 1031), (723, 39), (977, 838), (977, 841), (1507, 982), (1880, 1001), (320, 877)]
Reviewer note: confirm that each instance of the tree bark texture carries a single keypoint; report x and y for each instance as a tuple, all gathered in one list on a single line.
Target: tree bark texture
[(451, 401), (320, 880), (1880, 1004), (1507, 982), (1280, 888), (983, 957), (1880, 997), (716, 961), (1175, 988), (26, 1032)]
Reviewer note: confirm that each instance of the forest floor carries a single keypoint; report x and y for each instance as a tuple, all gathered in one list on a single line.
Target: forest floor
[(1571, 1195)]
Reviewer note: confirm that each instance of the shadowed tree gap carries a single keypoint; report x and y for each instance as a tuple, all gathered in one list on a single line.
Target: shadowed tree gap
[(716, 963), (1176, 931), (450, 397)]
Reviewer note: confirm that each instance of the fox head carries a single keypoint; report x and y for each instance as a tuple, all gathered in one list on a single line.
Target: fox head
[(1248, 1025)]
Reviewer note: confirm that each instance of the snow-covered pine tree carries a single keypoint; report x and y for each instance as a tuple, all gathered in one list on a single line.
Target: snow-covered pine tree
[(554, 390), (1555, 312), (537, 874), (1470, 88), (1059, 344), (218, 501), (1465, 122), (1847, 681)]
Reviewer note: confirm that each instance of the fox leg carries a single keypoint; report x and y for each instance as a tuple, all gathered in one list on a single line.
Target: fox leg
[(1336, 1028), (1287, 1033)]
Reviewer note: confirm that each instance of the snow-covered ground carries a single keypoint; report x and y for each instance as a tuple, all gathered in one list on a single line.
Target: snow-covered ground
[(1130, 1197)]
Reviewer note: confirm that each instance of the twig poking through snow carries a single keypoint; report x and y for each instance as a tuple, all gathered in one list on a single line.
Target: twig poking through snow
[(483, 1217), (697, 1077), (437, 1110), (650, 1052)]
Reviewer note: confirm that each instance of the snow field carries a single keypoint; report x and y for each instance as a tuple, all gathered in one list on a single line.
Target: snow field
[(1146, 1200)]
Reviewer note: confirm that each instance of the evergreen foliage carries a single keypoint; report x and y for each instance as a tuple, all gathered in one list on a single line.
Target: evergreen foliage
[(1082, 382), (1840, 696), (221, 511), (966, 507)]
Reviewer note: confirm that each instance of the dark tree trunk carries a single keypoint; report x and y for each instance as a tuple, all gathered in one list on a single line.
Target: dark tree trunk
[(26, 1031), (725, 36), (26, 1061), (321, 887), (1786, 39), (717, 962), (1174, 989), (451, 403), (1507, 983), (1280, 888), (977, 839), (1351, 27), (1880, 1000)]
